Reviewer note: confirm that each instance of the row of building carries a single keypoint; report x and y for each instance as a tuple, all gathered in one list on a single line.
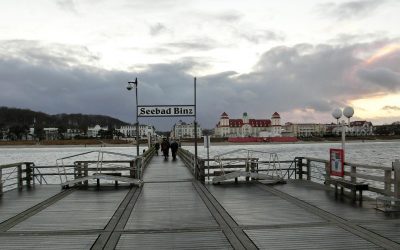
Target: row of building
[(225, 128)]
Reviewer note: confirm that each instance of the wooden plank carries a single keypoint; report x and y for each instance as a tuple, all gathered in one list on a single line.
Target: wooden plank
[(169, 205), (249, 205), (81, 210), (46, 242), (327, 237), (340, 222), (182, 240), (15, 202)]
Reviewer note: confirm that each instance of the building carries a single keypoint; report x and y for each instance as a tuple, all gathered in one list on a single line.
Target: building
[(71, 133), (356, 128), (50, 133), (94, 131), (361, 128), (304, 129), (185, 130), (246, 127), (129, 131)]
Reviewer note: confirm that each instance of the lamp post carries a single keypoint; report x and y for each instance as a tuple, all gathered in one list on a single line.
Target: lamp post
[(129, 88), (347, 112)]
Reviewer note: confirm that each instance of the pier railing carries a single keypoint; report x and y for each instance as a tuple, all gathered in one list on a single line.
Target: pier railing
[(15, 175), (18, 175), (382, 180)]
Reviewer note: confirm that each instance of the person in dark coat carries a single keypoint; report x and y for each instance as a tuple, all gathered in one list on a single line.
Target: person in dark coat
[(157, 147), (174, 149), (165, 148)]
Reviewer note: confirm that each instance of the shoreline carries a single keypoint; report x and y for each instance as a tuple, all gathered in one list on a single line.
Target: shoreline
[(111, 145)]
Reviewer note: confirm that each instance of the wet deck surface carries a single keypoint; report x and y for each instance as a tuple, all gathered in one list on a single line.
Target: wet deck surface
[(172, 211)]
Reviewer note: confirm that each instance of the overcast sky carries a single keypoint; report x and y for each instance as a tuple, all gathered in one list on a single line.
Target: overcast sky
[(299, 58)]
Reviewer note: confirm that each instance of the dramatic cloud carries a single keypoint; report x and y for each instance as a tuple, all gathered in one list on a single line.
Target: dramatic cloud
[(391, 108), (382, 77), (303, 82), (352, 9)]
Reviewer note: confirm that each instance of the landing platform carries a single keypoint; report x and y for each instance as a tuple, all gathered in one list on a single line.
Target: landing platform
[(173, 211)]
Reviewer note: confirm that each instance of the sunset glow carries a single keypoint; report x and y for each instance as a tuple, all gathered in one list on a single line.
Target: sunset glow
[(388, 49), (377, 107)]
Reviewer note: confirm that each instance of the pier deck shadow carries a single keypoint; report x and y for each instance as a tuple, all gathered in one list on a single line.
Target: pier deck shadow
[(173, 211)]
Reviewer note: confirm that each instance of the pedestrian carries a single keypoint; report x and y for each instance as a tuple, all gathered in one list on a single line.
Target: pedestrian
[(174, 149), (157, 147), (165, 148)]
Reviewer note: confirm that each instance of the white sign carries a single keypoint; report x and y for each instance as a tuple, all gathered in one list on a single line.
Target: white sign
[(176, 110)]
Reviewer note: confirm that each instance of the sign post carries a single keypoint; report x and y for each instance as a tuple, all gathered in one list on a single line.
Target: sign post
[(167, 111), (207, 146), (336, 160)]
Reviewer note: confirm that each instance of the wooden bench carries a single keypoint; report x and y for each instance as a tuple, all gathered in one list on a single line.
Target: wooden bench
[(353, 186)]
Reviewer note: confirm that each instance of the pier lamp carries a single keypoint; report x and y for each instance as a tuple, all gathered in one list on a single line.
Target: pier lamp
[(347, 112), (129, 88)]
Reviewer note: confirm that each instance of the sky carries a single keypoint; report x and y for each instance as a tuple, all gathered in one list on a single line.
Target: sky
[(301, 59)]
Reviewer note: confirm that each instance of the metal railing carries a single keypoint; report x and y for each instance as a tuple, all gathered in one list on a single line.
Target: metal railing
[(14, 175), (381, 180), (18, 175)]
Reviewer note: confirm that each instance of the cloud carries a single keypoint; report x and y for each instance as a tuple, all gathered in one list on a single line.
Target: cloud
[(67, 5), (192, 45), (350, 10), (391, 108), (303, 82), (230, 16), (262, 36), (382, 77), (157, 29)]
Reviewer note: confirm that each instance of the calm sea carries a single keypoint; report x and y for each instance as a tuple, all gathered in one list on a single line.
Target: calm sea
[(372, 153)]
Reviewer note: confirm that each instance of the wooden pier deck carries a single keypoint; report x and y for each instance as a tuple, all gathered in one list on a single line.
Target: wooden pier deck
[(174, 211)]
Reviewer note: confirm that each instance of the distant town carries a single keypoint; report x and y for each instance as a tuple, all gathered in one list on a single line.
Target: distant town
[(227, 128)]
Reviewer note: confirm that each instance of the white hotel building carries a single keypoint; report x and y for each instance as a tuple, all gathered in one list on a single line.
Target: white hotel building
[(247, 127), (184, 130), (129, 131)]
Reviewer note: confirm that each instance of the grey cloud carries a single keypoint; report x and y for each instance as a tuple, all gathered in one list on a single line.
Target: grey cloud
[(303, 77), (352, 9), (231, 16), (262, 36), (192, 45), (157, 29), (382, 77)]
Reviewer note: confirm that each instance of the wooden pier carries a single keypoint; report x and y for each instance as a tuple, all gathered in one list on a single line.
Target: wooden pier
[(174, 209)]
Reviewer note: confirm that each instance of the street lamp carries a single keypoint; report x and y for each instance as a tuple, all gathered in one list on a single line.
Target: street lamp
[(129, 88), (347, 112)]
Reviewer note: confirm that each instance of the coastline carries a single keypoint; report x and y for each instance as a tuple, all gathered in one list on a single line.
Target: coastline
[(224, 143)]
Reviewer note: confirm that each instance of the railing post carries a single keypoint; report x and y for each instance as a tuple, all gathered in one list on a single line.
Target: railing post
[(300, 165), (19, 176), (247, 166), (327, 174), (396, 168), (308, 170), (388, 182), (1, 181), (138, 164), (86, 173), (353, 172), (132, 169), (28, 174), (202, 172)]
